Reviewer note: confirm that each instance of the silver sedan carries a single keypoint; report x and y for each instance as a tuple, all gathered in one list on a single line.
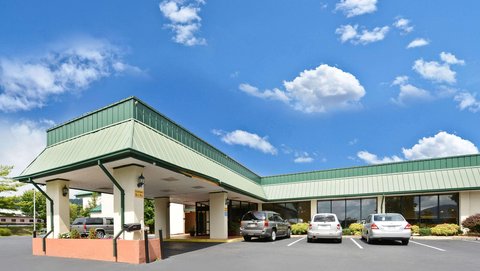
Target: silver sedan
[(388, 226)]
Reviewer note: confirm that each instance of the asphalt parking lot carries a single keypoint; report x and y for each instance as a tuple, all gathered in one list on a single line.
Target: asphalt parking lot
[(284, 254)]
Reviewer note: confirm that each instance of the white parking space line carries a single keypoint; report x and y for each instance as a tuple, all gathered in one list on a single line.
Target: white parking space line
[(427, 246), (292, 243), (356, 243)]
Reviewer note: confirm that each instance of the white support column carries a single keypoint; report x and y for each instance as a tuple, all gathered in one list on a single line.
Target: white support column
[(162, 216), (260, 206), (218, 216), (61, 208), (313, 208), (464, 205), (127, 178), (380, 205)]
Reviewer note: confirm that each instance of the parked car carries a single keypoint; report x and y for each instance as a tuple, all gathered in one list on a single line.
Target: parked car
[(264, 224), (388, 226), (324, 226), (102, 225)]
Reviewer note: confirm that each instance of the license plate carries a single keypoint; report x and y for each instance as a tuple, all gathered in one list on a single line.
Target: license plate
[(251, 225)]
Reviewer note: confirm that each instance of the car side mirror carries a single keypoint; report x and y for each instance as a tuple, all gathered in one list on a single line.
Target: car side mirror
[(363, 222)]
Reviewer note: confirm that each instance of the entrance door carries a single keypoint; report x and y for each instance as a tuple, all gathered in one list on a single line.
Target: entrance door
[(202, 211)]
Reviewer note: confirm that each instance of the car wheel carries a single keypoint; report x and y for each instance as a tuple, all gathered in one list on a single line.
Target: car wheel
[(247, 238), (309, 240), (273, 236), (368, 239), (339, 240), (405, 242), (289, 233), (100, 234)]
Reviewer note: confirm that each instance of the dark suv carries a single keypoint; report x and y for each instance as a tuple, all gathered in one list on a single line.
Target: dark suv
[(264, 224), (102, 225)]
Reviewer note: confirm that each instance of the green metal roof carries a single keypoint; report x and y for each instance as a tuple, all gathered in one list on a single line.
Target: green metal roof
[(389, 168), (131, 128), (134, 108), (452, 179)]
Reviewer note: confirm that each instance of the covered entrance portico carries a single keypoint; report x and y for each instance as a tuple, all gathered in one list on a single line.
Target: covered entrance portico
[(142, 156)]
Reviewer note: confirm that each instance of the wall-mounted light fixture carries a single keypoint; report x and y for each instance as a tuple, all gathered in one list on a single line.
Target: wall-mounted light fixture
[(65, 191), (141, 181)]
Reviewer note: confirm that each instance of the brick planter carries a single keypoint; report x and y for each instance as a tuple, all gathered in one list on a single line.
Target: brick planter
[(128, 251)]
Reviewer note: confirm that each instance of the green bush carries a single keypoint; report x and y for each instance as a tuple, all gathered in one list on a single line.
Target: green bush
[(74, 234), (347, 231), (300, 228), (92, 233), (425, 231), (445, 229), (5, 232), (472, 223), (415, 229), (356, 228)]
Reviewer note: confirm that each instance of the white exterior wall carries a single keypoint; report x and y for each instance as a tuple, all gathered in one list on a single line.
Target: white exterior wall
[(106, 200), (469, 204), (177, 218)]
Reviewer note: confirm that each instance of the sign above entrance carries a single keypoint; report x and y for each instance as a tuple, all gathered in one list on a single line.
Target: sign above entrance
[(138, 193)]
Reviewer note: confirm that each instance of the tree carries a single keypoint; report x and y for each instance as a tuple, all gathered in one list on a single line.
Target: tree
[(7, 185), (91, 204), (25, 202), (149, 214), (75, 211)]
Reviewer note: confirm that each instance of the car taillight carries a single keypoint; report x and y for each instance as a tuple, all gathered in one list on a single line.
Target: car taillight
[(338, 226), (408, 227), (310, 226), (265, 224), (374, 227)]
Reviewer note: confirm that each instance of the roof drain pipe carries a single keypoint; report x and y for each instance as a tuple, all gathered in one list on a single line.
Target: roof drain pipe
[(122, 207), (44, 242)]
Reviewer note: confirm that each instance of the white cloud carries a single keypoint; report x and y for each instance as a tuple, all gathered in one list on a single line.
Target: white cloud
[(353, 142), (467, 100), (434, 71), (353, 8), (419, 42), (21, 142), (371, 158), (275, 94), (322, 89), (243, 138), (27, 83), (184, 20), (440, 145), (303, 159), (449, 58), (350, 33), (400, 80), (438, 72), (404, 25), (410, 93), (347, 32)]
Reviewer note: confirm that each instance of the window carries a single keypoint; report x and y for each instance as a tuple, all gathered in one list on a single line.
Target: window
[(348, 211), (292, 211), (13, 220), (425, 209), (3, 220), (22, 220), (388, 218), (254, 216), (30, 220), (324, 218), (109, 221)]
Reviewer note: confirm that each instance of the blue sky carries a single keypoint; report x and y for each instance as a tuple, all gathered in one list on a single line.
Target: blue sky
[(280, 86)]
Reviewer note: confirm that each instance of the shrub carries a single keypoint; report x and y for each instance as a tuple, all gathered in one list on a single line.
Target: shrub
[(64, 235), (472, 223), (347, 231), (5, 232), (425, 231), (300, 228), (356, 228), (415, 229), (92, 233), (74, 234), (445, 229)]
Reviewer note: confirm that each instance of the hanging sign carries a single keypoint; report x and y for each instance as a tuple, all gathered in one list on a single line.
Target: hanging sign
[(138, 193)]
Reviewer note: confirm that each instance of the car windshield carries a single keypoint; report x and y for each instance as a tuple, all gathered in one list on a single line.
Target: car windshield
[(78, 221), (388, 217), (324, 218), (254, 216)]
